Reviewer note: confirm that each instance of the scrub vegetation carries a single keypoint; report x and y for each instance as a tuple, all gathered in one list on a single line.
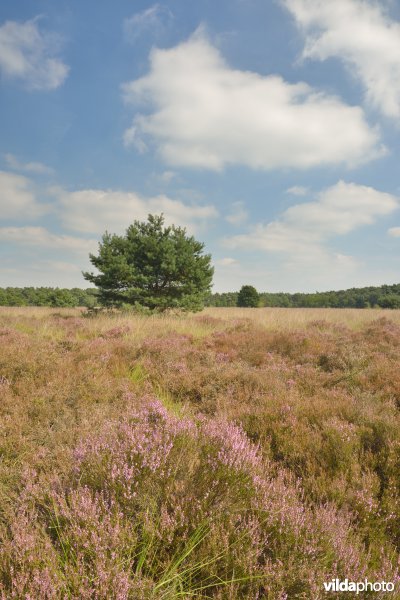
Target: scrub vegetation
[(240, 453)]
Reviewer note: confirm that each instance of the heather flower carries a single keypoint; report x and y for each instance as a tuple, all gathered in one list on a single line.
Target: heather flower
[(235, 450), (32, 560)]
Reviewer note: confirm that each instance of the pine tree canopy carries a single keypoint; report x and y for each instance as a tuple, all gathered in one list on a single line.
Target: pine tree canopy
[(152, 266)]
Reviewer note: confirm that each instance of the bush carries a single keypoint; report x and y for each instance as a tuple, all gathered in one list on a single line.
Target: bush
[(248, 297)]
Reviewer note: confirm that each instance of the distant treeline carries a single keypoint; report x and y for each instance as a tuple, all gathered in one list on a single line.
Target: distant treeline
[(47, 296), (385, 296)]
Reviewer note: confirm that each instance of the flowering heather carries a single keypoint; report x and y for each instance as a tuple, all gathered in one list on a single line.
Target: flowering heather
[(235, 449), (193, 457)]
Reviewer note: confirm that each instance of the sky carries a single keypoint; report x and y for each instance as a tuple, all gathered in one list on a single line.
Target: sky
[(270, 129)]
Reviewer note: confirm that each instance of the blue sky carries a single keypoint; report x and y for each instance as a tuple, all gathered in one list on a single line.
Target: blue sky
[(269, 129)]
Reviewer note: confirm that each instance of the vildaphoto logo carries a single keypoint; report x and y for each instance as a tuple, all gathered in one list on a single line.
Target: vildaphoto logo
[(336, 585)]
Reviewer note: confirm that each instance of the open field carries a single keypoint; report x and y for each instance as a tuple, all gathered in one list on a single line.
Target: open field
[(236, 453)]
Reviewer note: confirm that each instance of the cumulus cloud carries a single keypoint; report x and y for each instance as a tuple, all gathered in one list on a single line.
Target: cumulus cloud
[(94, 211), (206, 114), (131, 137), (43, 272), (153, 19), (17, 197), (297, 190), (37, 168), (239, 214), (227, 262), (394, 231), (363, 36), (167, 176), (39, 236), (303, 229), (29, 55)]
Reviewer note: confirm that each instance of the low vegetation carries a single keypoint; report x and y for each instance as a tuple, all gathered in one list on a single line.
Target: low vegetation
[(240, 453)]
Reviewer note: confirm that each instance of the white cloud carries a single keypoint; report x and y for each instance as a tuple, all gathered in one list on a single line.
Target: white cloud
[(39, 236), (363, 36), (17, 197), (30, 167), (94, 211), (394, 231), (303, 229), (227, 262), (151, 19), (239, 215), (208, 115), (42, 272), (167, 176), (131, 137), (297, 190), (321, 270), (61, 266), (30, 55)]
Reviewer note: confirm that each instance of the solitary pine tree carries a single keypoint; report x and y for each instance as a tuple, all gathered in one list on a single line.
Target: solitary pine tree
[(248, 297), (151, 265)]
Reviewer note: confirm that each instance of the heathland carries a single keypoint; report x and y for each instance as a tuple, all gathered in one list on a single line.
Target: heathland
[(236, 453)]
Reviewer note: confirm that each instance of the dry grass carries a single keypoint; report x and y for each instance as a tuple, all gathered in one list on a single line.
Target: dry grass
[(237, 453), (284, 318)]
